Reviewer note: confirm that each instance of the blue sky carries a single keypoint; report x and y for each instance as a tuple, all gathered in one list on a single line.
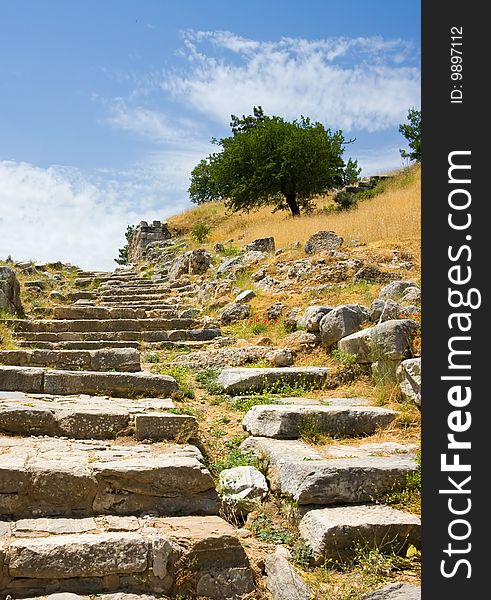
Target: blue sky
[(106, 106)]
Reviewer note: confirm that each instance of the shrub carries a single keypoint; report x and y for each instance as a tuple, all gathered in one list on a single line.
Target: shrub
[(200, 232), (345, 200)]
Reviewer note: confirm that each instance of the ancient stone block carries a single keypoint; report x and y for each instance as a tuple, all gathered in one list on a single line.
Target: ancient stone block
[(332, 533)]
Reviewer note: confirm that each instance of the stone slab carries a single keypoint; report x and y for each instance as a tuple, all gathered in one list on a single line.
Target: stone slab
[(101, 312), (162, 426), (118, 359), (102, 325), (395, 591), (56, 476), (108, 383), (301, 472), (183, 556), (239, 380), (333, 533), (23, 379), (289, 422), (81, 417), (90, 345), (122, 336)]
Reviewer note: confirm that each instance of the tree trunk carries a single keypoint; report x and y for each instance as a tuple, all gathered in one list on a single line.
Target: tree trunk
[(291, 200)]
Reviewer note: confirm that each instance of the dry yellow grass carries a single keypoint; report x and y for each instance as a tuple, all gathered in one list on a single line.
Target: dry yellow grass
[(391, 217)]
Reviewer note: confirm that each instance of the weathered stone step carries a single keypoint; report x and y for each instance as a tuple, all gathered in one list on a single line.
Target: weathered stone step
[(133, 279), (117, 359), (333, 533), (93, 417), (144, 298), (137, 287), (81, 295), (101, 312), (166, 287), (135, 294), (344, 474), (193, 556), (156, 288), (111, 383), (188, 345), (242, 379), (103, 325), (56, 476), (135, 283), (76, 345), (290, 422), (85, 274), (138, 283), (172, 302), (123, 336), (84, 282)]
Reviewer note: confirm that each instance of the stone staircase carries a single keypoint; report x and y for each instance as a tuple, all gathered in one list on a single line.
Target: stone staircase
[(81, 512), (336, 487)]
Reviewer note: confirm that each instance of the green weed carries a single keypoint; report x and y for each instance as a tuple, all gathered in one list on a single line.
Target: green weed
[(181, 374), (230, 250), (266, 530), (234, 457), (407, 496), (346, 359), (310, 430), (208, 380)]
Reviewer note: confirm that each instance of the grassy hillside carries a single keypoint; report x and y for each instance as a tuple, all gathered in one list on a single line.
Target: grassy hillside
[(389, 219)]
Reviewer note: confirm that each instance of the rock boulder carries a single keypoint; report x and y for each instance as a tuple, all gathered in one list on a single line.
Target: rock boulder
[(323, 241), (236, 311), (282, 581), (395, 290), (312, 317), (193, 262), (390, 340), (340, 322), (261, 245), (409, 377), (9, 291), (242, 488)]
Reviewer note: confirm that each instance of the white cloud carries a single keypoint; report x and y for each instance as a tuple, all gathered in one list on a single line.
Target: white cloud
[(58, 214), (357, 83), (155, 125)]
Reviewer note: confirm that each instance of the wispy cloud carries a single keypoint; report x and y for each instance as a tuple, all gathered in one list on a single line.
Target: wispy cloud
[(351, 83), (155, 125)]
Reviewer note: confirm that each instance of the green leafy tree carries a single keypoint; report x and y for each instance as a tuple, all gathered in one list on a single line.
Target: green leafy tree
[(123, 252), (270, 161), (412, 132)]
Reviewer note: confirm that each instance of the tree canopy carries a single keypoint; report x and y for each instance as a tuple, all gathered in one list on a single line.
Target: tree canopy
[(412, 132), (270, 161)]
